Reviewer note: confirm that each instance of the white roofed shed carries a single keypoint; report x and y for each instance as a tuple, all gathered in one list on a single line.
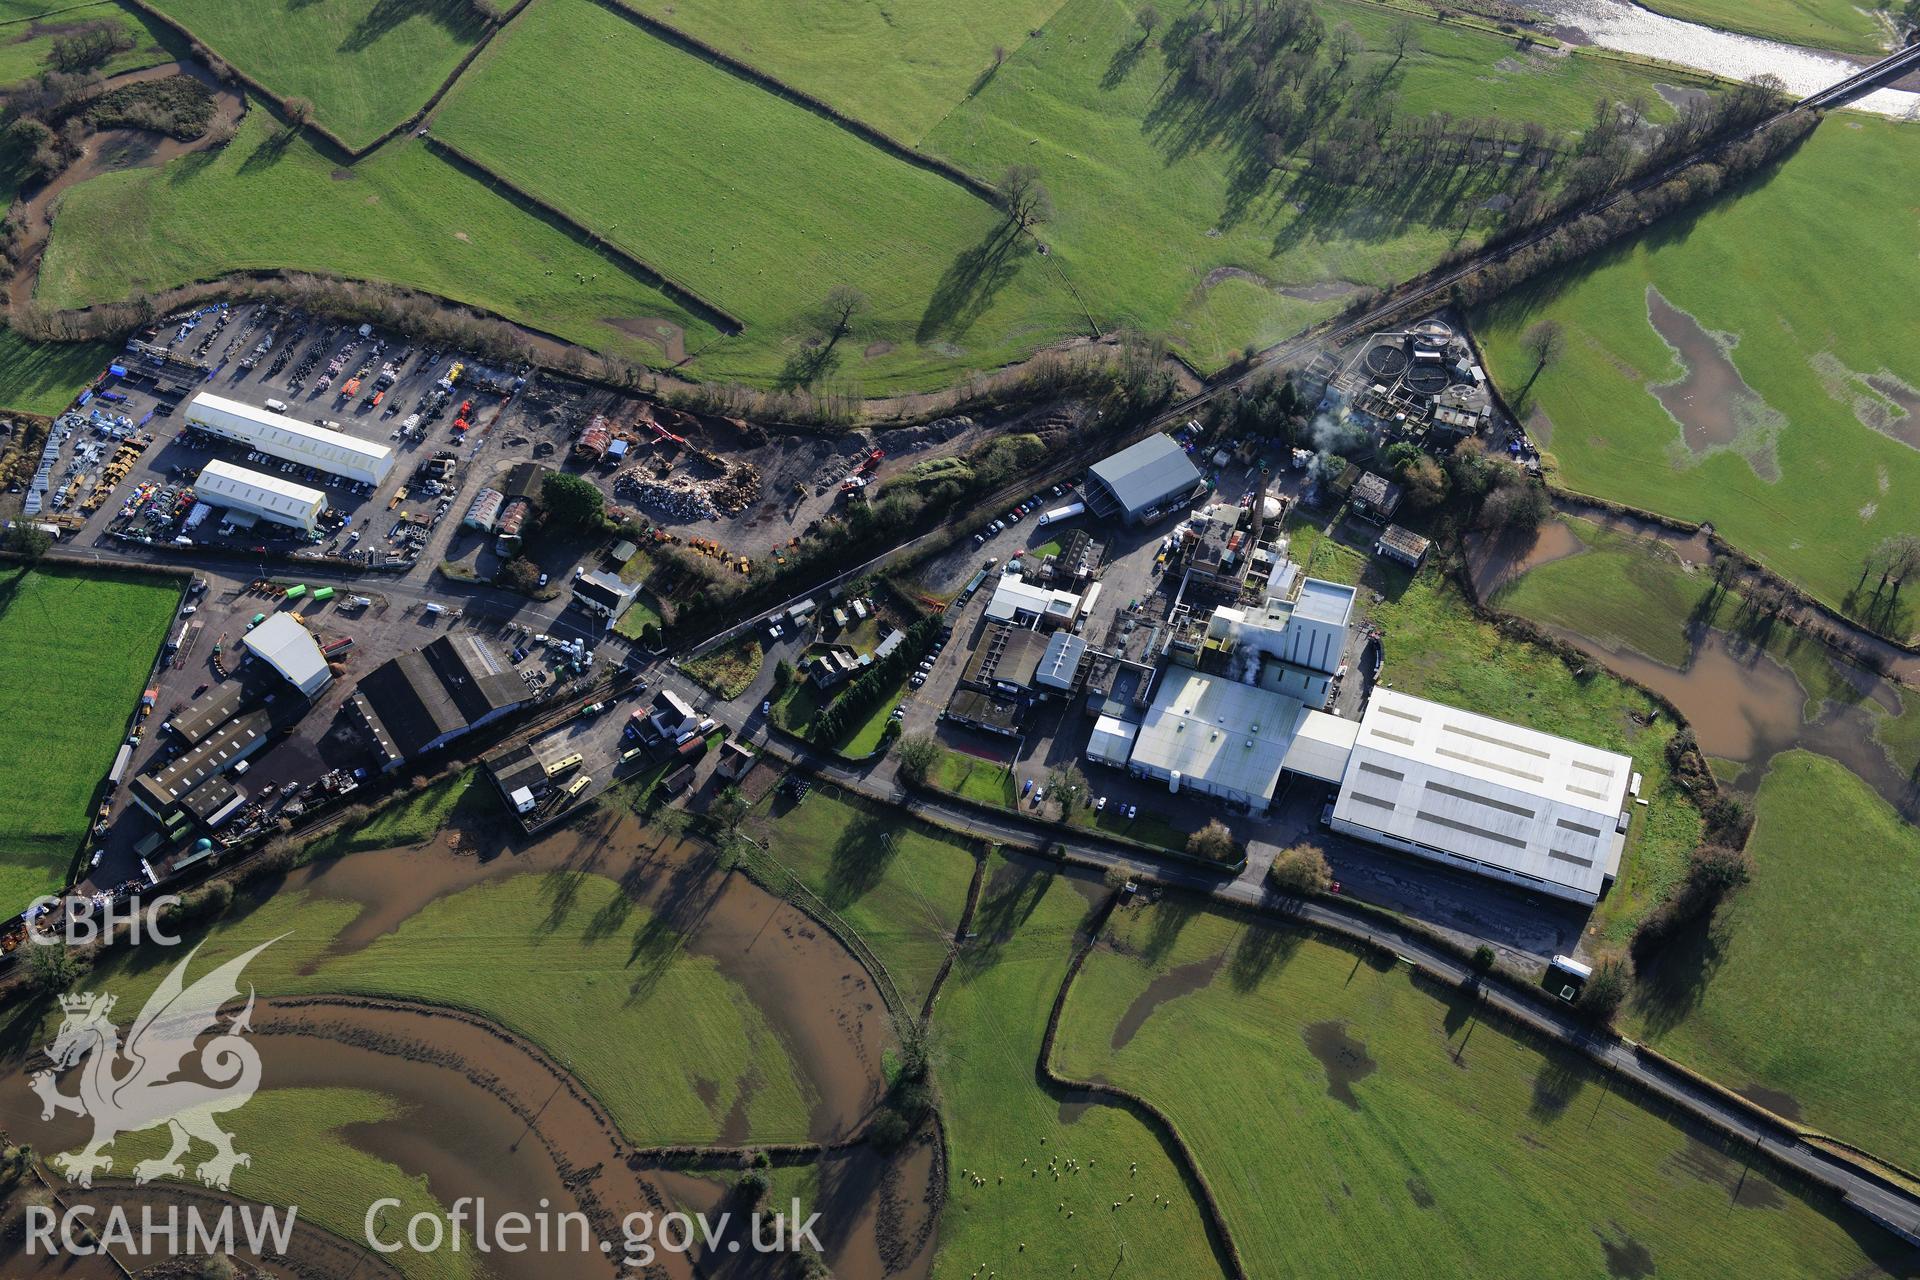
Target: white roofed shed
[(1497, 799)]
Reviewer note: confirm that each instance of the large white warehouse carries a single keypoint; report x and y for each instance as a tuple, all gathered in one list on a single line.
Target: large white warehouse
[(289, 439), (274, 498), (1486, 796)]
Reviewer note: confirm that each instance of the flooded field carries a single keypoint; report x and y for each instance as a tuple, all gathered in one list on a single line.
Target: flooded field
[(1747, 707), (1344, 1059), (1713, 404), (480, 1111)]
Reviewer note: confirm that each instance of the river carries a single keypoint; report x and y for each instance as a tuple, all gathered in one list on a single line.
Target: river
[(1628, 28)]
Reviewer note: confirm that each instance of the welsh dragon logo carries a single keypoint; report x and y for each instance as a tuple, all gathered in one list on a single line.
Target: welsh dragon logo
[(131, 1087)]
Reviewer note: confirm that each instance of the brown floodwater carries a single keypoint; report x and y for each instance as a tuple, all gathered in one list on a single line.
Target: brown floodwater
[(1906, 427), (812, 991), (1747, 707), (1179, 981), (486, 1114), (1344, 1059), (1712, 403), (1496, 561)]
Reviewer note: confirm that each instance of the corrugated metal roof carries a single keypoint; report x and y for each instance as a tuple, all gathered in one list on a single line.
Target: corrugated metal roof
[(1513, 798), (290, 438), (1322, 745), (1143, 474)]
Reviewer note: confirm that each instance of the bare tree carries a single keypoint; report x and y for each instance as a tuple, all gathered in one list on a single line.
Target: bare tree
[(1403, 41), (1148, 19), (1544, 341), (844, 307), (1025, 199)]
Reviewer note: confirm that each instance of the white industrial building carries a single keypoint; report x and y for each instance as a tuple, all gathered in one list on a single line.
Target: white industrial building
[(255, 493), (1292, 643), (1489, 797), (1028, 604), (284, 643), (290, 439), (1229, 740)]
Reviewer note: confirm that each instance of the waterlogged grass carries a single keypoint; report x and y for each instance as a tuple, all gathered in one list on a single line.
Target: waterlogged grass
[(753, 202), (1803, 320), (301, 1157), (562, 958), (1355, 1120), (365, 65), (1620, 592), (1002, 1124), (402, 217), (44, 377), (1790, 991), (1427, 626), (75, 652), (900, 885), (411, 818)]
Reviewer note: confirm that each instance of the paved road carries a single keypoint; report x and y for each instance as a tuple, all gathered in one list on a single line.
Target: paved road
[(1891, 1206)]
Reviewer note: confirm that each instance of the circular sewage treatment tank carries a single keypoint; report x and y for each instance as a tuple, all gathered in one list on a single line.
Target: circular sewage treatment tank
[(1428, 379), (1386, 360)]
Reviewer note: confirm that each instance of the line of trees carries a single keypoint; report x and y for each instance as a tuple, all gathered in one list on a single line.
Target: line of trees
[(838, 718), (1592, 232)]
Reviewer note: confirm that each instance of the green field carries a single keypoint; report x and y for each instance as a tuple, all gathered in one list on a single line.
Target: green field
[(1152, 211), (752, 202), (1840, 25), (28, 29), (1788, 994), (502, 949), (900, 885), (1632, 593), (44, 377), (991, 1020), (1621, 592), (1458, 1140), (366, 65), (75, 650), (1801, 314), (403, 217), (899, 67), (1428, 626)]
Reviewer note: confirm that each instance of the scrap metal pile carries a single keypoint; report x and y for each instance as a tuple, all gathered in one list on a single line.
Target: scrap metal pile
[(677, 498), (684, 498)]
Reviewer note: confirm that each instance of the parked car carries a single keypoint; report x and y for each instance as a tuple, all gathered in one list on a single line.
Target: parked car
[(1026, 788)]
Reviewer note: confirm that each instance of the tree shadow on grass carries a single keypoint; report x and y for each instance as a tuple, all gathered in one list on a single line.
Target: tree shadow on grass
[(1009, 898), (1670, 988), (1170, 916), (970, 284), (457, 17), (1558, 1083), (857, 863), (1262, 949), (271, 151)]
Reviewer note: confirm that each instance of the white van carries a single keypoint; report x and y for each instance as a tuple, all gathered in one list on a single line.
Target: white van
[(278, 406), (435, 610)]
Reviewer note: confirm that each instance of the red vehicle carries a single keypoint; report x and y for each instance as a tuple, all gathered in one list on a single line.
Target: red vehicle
[(466, 409)]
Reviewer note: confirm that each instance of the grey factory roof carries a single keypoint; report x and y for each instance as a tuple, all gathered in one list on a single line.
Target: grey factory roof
[(1143, 474), (1502, 795), (1235, 737)]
